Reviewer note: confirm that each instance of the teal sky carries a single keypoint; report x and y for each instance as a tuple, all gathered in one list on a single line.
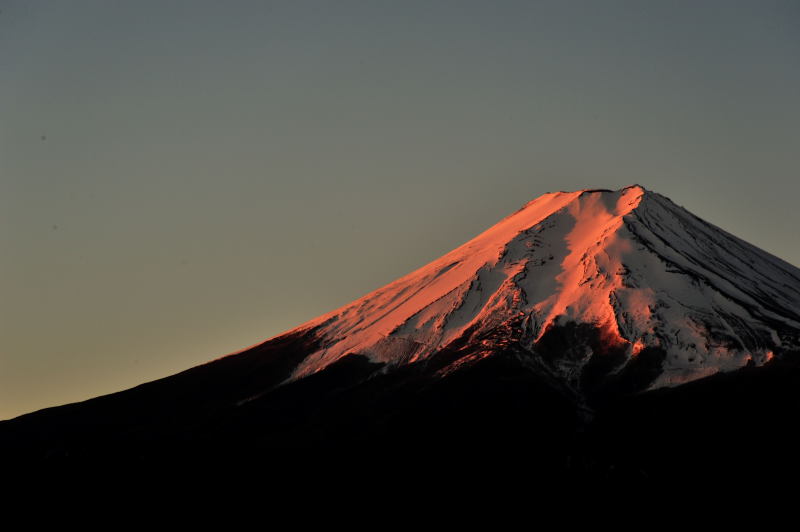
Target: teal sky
[(179, 180)]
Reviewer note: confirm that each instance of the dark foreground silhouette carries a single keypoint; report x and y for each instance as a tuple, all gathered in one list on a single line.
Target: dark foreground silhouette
[(502, 415)]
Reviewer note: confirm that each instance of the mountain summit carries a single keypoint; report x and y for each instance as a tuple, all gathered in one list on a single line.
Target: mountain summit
[(581, 323), (640, 271)]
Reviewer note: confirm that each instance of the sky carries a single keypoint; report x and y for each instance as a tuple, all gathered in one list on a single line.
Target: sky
[(180, 180)]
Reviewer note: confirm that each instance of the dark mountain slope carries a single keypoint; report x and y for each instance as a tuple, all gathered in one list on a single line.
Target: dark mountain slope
[(499, 414)]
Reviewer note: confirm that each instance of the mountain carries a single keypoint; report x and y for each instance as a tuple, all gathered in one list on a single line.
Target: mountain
[(579, 324), (644, 273)]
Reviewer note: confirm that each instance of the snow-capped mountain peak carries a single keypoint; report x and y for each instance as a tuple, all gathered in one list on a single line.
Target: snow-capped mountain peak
[(642, 271)]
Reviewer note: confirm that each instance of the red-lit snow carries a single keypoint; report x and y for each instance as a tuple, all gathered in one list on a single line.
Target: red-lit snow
[(631, 262)]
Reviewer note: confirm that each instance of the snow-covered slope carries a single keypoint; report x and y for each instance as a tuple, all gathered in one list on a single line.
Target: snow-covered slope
[(643, 271)]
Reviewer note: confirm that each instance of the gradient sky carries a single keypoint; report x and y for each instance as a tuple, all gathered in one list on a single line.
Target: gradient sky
[(179, 180)]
